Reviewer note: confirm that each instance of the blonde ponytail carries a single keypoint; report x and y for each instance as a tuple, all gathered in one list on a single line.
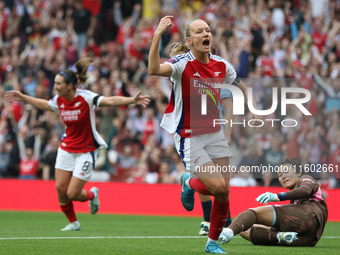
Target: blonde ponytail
[(179, 48)]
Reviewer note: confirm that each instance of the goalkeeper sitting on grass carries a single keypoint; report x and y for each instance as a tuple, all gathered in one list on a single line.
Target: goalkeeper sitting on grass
[(299, 223)]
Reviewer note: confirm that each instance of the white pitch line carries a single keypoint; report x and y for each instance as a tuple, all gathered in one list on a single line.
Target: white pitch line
[(102, 237), (119, 237)]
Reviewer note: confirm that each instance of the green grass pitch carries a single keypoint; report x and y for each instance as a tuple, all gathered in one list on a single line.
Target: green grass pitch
[(39, 233)]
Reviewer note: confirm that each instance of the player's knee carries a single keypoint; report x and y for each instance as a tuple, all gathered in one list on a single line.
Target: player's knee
[(219, 188), (61, 189), (72, 195), (251, 210), (245, 234)]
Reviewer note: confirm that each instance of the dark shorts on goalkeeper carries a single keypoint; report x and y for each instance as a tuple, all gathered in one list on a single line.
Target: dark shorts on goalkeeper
[(297, 218)]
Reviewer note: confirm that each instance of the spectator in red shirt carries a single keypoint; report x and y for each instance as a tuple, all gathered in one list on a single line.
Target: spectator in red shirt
[(3, 22), (266, 61), (92, 47), (29, 158), (150, 126), (319, 36)]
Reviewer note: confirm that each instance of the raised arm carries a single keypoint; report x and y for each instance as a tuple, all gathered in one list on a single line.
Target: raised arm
[(155, 67), (22, 147), (37, 144), (332, 33), (323, 85), (15, 95), (119, 101)]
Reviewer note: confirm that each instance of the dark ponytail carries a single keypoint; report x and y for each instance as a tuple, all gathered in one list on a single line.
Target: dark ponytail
[(81, 74), (82, 66)]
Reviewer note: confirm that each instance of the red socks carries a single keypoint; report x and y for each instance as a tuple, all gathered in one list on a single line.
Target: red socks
[(89, 195), (69, 211), (219, 215), (219, 211), (197, 185)]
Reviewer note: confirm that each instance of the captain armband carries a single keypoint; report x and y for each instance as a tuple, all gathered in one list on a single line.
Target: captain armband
[(95, 100)]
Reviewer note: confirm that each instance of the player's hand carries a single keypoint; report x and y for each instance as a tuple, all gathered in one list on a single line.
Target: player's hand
[(13, 95), (267, 197), (258, 119), (141, 100), (163, 25)]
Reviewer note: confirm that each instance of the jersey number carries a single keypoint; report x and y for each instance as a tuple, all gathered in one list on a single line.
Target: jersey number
[(86, 166)]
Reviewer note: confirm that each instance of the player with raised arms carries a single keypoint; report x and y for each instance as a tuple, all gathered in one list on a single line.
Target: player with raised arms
[(199, 144), (75, 160), (300, 223)]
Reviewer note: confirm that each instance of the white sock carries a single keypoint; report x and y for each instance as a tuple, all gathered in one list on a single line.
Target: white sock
[(229, 231), (215, 241), (278, 236)]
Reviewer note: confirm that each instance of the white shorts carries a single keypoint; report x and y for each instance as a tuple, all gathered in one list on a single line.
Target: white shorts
[(198, 150), (81, 164)]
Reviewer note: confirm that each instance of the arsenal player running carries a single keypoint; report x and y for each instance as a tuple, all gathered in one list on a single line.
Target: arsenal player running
[(75, 159)]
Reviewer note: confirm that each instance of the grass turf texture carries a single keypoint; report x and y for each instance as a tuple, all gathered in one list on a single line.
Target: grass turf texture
[(109, 227)]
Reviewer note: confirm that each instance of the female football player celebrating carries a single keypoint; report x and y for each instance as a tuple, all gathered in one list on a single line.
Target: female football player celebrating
[(201, 145), (75, 160)]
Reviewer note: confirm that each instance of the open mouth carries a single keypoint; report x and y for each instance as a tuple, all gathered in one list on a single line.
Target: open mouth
[(206, 43), (285, 181)]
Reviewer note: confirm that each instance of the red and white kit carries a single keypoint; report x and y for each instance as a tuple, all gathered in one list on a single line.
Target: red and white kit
[(183, 113), (81, 136)]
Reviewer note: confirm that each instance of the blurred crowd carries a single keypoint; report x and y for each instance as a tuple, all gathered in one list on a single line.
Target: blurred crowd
[(270, 43)]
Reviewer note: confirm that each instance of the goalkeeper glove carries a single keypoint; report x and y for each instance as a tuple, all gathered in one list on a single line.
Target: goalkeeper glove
[(267, 197)]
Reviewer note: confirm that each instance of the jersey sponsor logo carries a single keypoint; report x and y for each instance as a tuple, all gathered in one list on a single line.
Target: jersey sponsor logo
[(70, 115), (217, 73), (63, 144), (196, 74), (77, 104), (188, 131), (208, 88), (62, 106)]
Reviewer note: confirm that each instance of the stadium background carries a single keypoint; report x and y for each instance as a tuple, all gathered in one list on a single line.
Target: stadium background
[(269, 43)]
